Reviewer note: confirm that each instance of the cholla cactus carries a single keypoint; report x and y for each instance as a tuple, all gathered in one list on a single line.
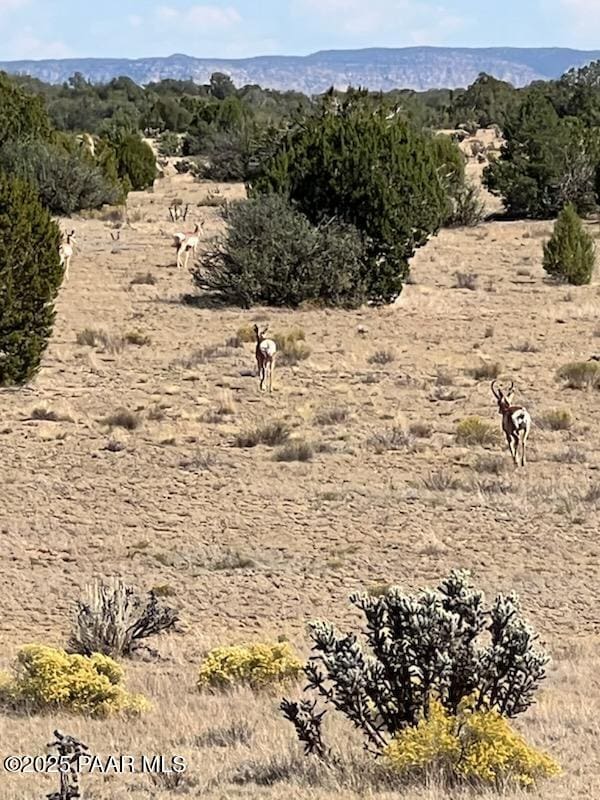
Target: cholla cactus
[(307, 723), (426, 646), (72, 750)]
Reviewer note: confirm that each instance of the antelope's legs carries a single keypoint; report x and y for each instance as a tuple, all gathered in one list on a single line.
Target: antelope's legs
[(523, 445)]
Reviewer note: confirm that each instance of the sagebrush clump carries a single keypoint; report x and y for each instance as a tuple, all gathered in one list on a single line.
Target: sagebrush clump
[(114, 620), (255, 665), (474, 430), (50, 679), (580, 375)]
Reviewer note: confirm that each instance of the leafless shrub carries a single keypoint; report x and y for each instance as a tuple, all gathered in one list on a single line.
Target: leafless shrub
[(295, 450), (44, 412), (232, 559), (492, 487), (137, 338), (122, 418), (593, 494), (559, 419), (291, 348), (91, 337), (445, 395), (202, 356), (580, 375), (487, 371), (474, 430), (113, 620), (420, 430), (177, 782), (441, 481), (199, 462), (143, 279), (156, 413), (571, 455), (525, 347), (331, 416), (465, 280), (395, 438), (494, 465), (235, 733), (224, 407), (114, 446), (271, 434), (444, 378), (382, 357)]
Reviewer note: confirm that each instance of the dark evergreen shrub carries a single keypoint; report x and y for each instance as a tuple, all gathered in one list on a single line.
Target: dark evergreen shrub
[(363, 164), (30, 275), (569, 254), (136, 164)]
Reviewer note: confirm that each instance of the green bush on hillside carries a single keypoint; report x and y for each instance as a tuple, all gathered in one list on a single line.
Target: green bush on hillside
[(569, 254), (30, 275), (362, 164)]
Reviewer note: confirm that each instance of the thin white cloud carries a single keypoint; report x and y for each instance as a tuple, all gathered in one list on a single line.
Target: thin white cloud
[(12, 5), (413, 21), (583, 20), (29, 46), (202, 17)]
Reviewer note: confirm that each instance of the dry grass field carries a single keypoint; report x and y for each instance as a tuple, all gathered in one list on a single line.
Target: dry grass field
[(250, 547)]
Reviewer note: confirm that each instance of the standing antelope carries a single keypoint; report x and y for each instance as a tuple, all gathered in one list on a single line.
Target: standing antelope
[(65, 252), (186, 243), (266, 349), (516, 422)]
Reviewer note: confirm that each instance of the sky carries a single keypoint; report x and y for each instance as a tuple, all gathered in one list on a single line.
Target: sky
[(241, 28)]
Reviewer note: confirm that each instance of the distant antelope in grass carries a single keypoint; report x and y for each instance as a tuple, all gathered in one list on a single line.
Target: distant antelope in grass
[(65, 252), (516, 422), (186, 243), (266, 350)]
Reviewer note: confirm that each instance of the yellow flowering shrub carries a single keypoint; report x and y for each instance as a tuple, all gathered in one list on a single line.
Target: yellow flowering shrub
[(49, 678), (256, 665), (477, 746)]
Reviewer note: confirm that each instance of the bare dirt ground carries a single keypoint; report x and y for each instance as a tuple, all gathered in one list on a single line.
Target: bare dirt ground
[(249, 547)]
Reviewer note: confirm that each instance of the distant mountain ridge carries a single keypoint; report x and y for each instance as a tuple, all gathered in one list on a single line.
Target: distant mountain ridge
[(376, 68)]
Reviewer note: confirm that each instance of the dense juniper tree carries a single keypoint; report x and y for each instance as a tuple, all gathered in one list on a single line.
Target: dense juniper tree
[(30, 275), (365, 165)]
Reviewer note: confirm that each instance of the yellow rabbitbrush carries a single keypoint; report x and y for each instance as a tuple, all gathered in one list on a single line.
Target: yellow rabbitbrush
[(256, 665), (475, 746), (48, 678)]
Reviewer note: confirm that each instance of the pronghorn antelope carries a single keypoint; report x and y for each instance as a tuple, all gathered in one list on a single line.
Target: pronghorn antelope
[(516, 422), (65, 252), (266, 349), (186, 243)]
